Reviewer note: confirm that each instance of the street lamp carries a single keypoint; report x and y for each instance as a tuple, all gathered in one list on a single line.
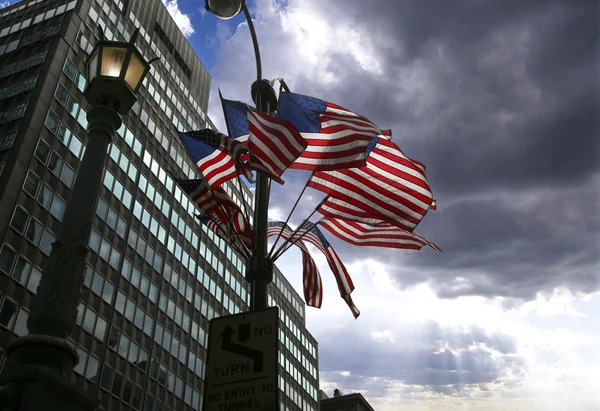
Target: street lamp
[(39, 364), (225, 9), (259, 271), (115, 74)]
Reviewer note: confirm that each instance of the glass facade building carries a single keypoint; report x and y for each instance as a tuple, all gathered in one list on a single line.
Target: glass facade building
[(154, 277)]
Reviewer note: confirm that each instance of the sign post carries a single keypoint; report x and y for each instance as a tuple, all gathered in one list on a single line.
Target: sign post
[(241, 367)]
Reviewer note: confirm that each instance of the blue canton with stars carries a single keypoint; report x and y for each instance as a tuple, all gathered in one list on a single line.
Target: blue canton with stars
[(201, 143), (302, 111), (189, 186), (236, 117)]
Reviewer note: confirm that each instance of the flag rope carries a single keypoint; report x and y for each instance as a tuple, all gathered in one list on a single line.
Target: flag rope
[(224, 236), (288, 243), (288, 219), (246, 252)]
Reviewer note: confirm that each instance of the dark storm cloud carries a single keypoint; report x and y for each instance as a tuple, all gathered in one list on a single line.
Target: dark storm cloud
[(432, 356), (514, 88), (504, 108)]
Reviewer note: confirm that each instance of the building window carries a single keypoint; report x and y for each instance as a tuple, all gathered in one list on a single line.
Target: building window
[(91, 371), (42, 152), (8, 313), (52, 122), (67, 175), (117, 385), (7, 140), (57, 208), (34, 279), (45, 196), (32, 183), (19, 219), (7, 257), (55, 164), (61, 94), (70, 69), (21, 270), (46, 242), (34, 231), (107, 376), (20, 328)]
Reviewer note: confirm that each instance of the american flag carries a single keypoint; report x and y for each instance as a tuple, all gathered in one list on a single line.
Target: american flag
[(213, 155), (217, 222), (212, 225), (389, 188), (423, 169), (236, 118), (374, 235), (274, 143), (312, 234), (215, 203), (337, 137), (336, 208), (206, 199), (311, 279)]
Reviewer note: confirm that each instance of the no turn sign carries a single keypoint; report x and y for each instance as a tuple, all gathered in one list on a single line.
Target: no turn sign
[(241, 367)]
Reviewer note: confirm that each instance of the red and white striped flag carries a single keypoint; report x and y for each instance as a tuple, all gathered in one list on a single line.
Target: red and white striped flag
[(337, 137), (274, 143), (311, 233), (217, 156), (311, 279), (206, 199), (215, 203), (217, 222), (348, 299), (336, 208), (374, 235), (389, 188)]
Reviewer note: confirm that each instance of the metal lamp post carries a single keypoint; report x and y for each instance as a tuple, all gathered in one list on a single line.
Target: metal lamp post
[(38, 365), (260, 268)]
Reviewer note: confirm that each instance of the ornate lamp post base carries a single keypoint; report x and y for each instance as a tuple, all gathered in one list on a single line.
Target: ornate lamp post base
[(35, 377)]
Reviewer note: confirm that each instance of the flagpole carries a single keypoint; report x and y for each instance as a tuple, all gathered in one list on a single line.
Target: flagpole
[(289, 243), (259, 271), (288, 218)]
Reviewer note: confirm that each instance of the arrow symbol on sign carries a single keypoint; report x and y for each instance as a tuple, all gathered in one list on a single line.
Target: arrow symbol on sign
[(228, 345)]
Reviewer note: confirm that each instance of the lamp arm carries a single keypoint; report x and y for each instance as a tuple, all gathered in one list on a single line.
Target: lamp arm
[(254, 42)]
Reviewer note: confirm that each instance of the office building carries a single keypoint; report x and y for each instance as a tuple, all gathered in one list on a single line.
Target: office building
[(341, 402), (154, 277)]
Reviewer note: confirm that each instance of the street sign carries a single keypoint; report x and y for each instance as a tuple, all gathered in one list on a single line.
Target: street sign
[(241, 367)]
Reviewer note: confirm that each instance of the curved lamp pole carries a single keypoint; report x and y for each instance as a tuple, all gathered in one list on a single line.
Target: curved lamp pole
[(115, 73), (260, 268)]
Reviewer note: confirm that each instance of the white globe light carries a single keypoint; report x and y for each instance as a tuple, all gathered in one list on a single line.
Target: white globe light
[(224, 9)]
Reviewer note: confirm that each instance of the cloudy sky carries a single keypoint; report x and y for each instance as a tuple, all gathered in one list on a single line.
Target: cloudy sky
[(500, 99)]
